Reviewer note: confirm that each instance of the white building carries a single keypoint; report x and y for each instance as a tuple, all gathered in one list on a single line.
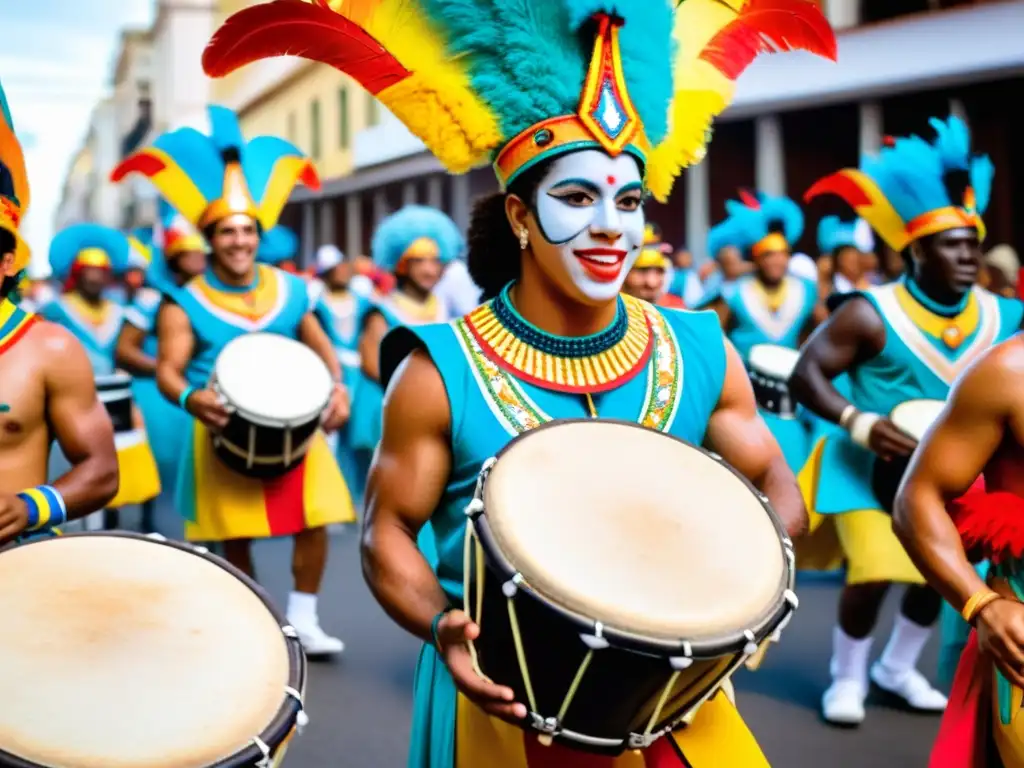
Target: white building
[(180, 90)]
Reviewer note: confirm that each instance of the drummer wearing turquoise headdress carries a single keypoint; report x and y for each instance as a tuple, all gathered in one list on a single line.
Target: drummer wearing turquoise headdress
[(86, 257), (847, 245), (899, 342), (770, 306), (48, 395), (232, 191), (178, 255), (582, 111)]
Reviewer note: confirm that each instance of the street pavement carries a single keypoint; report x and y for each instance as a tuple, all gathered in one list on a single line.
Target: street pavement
[(359, 705)]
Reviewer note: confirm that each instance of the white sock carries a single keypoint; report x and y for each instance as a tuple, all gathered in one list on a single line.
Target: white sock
[(302, 608), (849, 657), (905, 645)]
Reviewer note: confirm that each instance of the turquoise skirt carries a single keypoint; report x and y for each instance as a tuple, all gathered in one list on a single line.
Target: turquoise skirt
[(166, 427), (792, 436)]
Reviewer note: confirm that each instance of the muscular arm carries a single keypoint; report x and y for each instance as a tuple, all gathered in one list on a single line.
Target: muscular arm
[(176, 345), (81, 425), (947, 462), (312, 334), (853, 334), (129, 352), (739, 435), (403, 489), (374, 329)]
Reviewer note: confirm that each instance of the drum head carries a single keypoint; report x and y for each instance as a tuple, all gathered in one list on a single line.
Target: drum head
[(125, 653), (915, 417), (774, 361), (642, 532), (273, 380)]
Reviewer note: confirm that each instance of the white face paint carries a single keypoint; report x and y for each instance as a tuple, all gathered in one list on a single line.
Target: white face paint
[(590, 205)]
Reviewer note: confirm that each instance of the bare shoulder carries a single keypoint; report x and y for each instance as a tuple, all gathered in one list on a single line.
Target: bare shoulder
[(416, 399), (997, 376), (61, 356), (857, 315), (52, 338)]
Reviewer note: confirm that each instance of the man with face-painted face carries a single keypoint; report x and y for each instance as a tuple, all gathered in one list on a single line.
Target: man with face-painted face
[(207, 179), (900, 342), (570, 102)]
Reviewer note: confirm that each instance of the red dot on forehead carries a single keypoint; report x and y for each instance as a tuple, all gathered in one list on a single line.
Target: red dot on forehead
[(611, 179)]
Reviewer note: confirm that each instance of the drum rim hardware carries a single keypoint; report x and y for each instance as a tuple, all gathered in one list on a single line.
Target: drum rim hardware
[(291, 716), (745, 644)]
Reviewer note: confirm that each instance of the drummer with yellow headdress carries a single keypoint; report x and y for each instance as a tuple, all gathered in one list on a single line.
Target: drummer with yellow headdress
[(650, 275), (86, 258)]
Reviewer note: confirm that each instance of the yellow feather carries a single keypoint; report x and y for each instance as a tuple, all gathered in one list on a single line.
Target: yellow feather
[(437, 103), (690, 120)]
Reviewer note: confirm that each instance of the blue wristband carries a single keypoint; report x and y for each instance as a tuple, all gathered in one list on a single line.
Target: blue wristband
[(46, 507), (184, 396)]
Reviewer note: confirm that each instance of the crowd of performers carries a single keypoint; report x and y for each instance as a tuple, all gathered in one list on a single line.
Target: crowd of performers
[(795, 378)]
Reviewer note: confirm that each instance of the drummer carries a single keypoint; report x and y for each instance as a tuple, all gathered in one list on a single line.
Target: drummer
[(551, 255), (181, 257), (976, 434), (86, 257), (846, 245), (903, 341), (648, 279), (770, 306), (234, 296), (48, 390)]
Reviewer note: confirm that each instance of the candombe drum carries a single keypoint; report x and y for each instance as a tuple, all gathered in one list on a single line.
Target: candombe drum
[(619, 577), (276, 389), (770, 367), (914, 417), (126, 651)]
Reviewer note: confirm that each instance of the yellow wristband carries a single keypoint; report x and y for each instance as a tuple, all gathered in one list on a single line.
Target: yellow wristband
[(978, 600)]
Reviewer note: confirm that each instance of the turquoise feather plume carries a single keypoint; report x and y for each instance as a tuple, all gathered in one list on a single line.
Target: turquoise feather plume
[(5, 109), (198, 157), (225, 131), (277, 245), (71, 241), (401, 229), (748, 225)]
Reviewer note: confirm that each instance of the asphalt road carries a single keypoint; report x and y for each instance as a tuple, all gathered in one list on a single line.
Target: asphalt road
[(359, 705)]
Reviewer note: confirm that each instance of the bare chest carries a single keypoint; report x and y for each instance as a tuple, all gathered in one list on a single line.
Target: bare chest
[(22, 396)]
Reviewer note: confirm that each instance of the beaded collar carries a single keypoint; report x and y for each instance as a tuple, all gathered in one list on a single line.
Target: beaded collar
[(590, 364)]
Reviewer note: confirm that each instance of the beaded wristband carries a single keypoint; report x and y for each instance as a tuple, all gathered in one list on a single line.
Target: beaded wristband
[(433, 629), (184, 396), (46, 507), (978, 600)]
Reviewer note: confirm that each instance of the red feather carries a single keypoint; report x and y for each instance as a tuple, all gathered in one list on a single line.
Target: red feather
[(765, 26), (298, 28), (991, 522), (842, 186), (143, 163), (749, 199)]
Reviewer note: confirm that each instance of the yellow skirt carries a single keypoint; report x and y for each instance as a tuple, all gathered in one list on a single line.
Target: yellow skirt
[(717, 738), (220, 504), (139, 477), (863, 538)]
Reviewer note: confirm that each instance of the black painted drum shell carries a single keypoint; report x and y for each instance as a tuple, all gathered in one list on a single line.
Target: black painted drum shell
[(270, 442), (119, 409), (886, 477), (772, 394)]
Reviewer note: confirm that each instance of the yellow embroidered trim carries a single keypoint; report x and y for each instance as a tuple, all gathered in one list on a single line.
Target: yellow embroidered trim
[(253, 304), (951, 330), (95, 315), (415, 310), (596, 373), (774, 298)]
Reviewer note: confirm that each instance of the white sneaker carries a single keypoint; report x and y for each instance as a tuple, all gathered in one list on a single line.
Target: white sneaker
[(911, 686), (316, 642), (843, 702)]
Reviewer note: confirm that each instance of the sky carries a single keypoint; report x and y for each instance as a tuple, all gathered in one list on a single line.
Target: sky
[(56, 60)]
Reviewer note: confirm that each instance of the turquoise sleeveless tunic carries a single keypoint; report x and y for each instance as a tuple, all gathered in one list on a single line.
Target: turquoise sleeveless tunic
[(166, 423), (214, 327), (100, 343), (913, 365), (753, 323), (689, 352)]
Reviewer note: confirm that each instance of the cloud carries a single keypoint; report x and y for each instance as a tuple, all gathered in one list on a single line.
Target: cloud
[(55, 66)]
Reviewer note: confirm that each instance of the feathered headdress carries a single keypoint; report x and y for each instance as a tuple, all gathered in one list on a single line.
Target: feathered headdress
[(914, 188), (175, 234), (757, 223), (415, 232), (277, 245), (515, 82), (14, 190), (208, 178), (93, 245), (834, 233)]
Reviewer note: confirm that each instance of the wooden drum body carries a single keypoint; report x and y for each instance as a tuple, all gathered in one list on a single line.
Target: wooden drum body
[(125, 651), (914, 417), (619, 577), (276, 389), (770, 367), (115, 392)]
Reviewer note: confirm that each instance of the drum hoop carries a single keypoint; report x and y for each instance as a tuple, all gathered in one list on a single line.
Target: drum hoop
[(270, 421), (114, 379), (763, 626), (752, 367), (284, 722)]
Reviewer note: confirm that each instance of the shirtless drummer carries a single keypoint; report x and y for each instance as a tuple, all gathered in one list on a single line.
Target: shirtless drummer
[(47, 392)]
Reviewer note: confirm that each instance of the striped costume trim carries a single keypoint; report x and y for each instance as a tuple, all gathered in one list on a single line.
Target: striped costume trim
[(46, 507)]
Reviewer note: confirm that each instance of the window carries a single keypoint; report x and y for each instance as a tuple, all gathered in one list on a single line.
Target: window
[(314, 129), (292, 129), (343, 118), (372, 110)]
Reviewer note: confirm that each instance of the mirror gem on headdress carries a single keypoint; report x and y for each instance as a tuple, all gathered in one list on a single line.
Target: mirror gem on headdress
[(609, 114)]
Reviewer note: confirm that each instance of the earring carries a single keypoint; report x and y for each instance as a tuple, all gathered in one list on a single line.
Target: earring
[(524, 239)]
